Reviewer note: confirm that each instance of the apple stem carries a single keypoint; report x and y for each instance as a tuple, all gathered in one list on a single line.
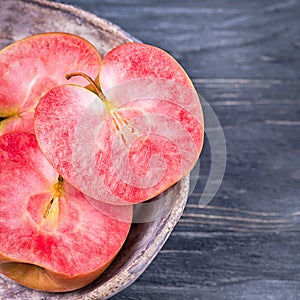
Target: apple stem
[(91, 81)]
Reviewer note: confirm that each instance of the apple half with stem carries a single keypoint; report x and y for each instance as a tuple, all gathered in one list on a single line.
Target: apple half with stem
[(138, 133), (52, 237), (32, 66)]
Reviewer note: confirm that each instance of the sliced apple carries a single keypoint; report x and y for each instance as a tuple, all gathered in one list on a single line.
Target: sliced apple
[(52, 237), (141, 131), (32, 66), (136, 61)]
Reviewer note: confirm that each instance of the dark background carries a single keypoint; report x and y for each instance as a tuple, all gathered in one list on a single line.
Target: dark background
[(244, 58)]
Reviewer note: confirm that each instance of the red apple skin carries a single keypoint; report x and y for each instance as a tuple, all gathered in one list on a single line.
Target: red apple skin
[(32, 66), (52, 237), (147, 138)]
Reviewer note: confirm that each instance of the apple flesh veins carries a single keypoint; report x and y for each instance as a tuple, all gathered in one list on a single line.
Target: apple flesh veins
[(52, 237), (32, 66), (144, 135)]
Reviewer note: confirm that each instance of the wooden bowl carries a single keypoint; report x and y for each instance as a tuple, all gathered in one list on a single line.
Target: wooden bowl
[(154, 220)]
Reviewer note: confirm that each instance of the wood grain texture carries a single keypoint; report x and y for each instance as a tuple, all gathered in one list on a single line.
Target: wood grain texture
[(244, 58)]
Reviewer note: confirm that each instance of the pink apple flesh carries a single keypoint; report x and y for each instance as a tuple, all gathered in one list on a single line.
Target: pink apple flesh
[(32, 66), (52, 237), (145, 136), (136, 61)]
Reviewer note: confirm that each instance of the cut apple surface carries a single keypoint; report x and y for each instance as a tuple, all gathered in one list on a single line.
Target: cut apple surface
[(136, 61), (52, 237), (141, 132), (32, 66)]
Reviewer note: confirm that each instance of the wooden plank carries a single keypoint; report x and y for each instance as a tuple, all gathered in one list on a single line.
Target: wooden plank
[(219, 38)]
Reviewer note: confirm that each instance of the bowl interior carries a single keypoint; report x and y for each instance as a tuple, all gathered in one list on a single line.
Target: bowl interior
[(154, 220)]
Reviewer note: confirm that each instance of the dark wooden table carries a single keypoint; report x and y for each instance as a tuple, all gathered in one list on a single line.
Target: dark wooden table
[(244, 58)]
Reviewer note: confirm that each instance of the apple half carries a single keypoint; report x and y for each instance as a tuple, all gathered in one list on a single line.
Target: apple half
[(32, 66), (52, 237), (140, 132)]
